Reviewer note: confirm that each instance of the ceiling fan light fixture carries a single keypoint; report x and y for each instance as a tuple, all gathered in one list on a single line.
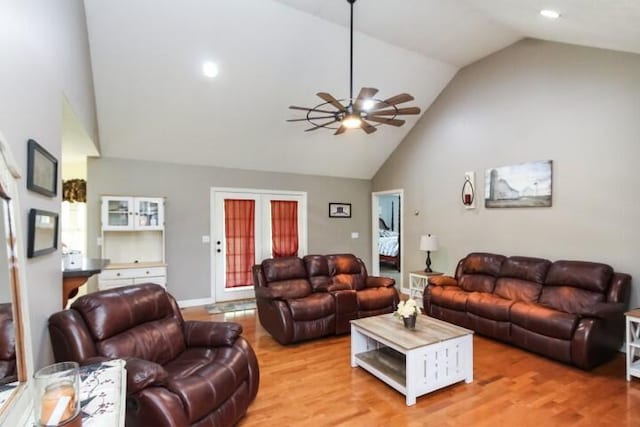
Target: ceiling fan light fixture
[(351, 121), (210, 69), (368, 104), (551, 14)]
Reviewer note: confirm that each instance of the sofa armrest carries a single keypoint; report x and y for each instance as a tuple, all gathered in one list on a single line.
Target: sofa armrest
[(380, 282), (604, 311), (143, 373), (442, 281), (211, 334), (266, 293)]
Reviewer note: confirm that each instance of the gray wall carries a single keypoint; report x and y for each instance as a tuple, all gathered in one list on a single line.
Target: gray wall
[(45, 57), (187, 189), (534, 100)]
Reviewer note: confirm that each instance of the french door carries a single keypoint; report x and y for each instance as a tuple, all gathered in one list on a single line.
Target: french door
[(248, 226)]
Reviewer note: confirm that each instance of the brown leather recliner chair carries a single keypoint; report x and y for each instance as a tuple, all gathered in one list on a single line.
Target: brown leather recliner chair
[(8, 372), (179, 373)]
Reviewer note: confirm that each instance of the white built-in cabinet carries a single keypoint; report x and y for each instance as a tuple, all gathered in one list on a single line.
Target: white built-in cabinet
[(133, 240)]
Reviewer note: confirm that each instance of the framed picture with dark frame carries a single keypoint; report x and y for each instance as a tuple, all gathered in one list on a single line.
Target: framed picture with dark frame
[(43, 233), (42, 170), (339, 210)]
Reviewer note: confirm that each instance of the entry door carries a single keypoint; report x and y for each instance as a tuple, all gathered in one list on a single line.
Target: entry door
[(242, 235)]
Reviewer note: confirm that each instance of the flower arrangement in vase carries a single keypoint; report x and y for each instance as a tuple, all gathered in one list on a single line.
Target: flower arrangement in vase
[(408, 311)]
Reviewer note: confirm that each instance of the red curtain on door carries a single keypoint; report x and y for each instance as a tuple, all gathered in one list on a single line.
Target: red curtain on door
[(284, 228), (239, 217)]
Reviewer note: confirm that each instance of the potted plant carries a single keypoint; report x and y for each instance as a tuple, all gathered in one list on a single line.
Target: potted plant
[(408, 311)]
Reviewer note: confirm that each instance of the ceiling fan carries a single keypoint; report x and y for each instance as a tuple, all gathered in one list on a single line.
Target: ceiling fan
[(353, 113)]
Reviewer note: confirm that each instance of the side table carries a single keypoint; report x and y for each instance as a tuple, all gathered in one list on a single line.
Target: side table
[(632, 338), (417, 283)]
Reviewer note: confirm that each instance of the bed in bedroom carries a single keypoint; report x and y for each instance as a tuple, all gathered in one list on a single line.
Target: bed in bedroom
[(388, 245)]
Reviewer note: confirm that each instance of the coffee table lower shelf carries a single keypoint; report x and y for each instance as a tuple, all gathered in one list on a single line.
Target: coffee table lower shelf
[(416, 371)]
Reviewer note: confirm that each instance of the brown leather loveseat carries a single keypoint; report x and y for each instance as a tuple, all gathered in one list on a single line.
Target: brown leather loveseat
[(179, 373), (571, 311), (318, 295)]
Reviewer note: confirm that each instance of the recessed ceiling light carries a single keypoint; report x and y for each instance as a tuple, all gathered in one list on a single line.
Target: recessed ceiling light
[(548, 13), (210, 69)]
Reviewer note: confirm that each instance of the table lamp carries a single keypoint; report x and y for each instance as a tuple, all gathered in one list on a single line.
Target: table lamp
[(428, 243)]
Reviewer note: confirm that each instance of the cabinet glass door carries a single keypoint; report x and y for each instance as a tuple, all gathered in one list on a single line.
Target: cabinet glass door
[(117, 213), (149, 214)]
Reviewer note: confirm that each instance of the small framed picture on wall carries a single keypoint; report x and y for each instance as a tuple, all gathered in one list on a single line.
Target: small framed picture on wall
[(42, 170), (339, 210)]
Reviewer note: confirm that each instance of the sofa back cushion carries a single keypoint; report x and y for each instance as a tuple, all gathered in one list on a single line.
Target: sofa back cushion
[(590, 276), (521, 278), (347, 269), (133, 321), (478, 272), (569, 299), (318, 270), (284, 268)]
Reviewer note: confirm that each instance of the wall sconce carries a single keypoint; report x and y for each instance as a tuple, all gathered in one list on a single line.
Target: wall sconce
[(428, 243), (469, 190)]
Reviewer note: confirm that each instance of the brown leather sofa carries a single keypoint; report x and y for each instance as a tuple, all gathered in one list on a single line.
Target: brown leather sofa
[(179, 373), (318, 295), (571, 311)]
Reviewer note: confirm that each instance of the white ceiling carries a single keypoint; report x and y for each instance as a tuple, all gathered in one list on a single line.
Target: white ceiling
[(154, 104)]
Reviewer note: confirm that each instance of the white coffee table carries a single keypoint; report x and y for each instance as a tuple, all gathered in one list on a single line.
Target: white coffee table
[(414, 362)]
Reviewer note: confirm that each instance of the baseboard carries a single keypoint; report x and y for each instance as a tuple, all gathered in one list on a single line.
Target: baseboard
[(194, 302)]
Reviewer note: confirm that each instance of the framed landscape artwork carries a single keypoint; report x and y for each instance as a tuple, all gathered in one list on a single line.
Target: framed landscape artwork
[(339, 210), (519, 186)]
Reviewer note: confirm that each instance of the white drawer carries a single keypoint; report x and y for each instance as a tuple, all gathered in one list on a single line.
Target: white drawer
[(116, 283), (130, 273), (158, 280)]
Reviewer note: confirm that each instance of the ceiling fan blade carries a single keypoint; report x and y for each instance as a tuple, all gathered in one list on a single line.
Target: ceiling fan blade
[(312, 118), (365, 93), (368, 127), (383, 120), (293, 107), (399, 99), (393, 112), (331, 100), (322, 125), (342, 129)]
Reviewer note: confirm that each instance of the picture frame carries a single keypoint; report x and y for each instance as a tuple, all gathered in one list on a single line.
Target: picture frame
[(523, 185), (43, 233), (42, 170), (339, 210)]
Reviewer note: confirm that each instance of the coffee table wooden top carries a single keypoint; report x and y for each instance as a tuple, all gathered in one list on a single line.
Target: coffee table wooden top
[(428, 330)]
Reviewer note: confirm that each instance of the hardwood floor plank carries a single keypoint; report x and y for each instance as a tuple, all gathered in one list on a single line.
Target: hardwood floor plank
[(313, 384)]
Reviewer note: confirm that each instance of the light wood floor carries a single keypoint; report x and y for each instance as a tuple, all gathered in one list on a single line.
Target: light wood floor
[(313, 384)]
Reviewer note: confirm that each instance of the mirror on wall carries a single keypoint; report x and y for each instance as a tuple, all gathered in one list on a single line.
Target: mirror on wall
[(15, 364)]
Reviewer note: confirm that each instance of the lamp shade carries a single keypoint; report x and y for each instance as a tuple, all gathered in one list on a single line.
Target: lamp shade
[(428, 243)]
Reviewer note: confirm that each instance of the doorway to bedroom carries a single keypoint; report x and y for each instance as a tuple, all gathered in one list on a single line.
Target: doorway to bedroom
[(387, 208)]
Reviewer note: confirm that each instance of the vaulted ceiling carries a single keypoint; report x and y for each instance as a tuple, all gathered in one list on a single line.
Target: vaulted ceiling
[(153, 102)]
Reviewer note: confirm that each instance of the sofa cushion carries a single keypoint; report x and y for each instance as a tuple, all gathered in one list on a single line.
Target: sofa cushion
[(544, 320), (212, 383), (525, 268), (286, 289), (568, 299), (346, 269), (449, 297), (312, 307), (590, 276), (477, 283), (482, 263), (376, 298), (489, 306), (517, 289), (284, 268), (158, 341)]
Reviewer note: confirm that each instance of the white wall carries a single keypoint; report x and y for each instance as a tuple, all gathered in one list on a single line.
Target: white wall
[(45, 56), (534, 100), (187, 189)]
